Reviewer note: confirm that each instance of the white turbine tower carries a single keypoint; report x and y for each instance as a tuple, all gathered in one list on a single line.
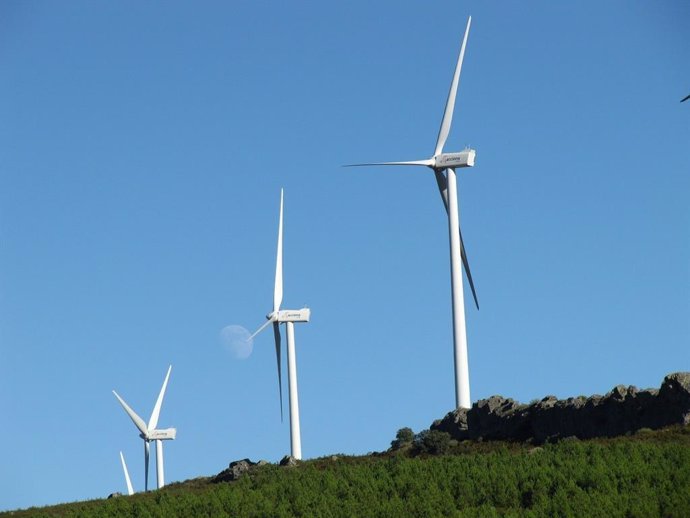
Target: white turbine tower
[(130, 490), (444, 165), (288, 317), (150, 433)]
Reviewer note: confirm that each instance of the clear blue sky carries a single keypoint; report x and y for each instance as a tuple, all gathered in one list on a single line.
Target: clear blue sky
[(142, 151)]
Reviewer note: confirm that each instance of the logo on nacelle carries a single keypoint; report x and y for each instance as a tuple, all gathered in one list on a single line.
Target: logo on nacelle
[(462, 159), (162, 435)]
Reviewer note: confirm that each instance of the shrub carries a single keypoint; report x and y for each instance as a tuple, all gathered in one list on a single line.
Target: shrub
[(404, 437), (437, 442), (433, 442)]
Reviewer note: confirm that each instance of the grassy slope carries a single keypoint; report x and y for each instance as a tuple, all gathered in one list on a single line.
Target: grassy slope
[(644, 475)]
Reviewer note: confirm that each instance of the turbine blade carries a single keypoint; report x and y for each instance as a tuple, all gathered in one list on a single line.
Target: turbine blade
[(138, 421), (130, 490), (442, 183), (278, 288), (685, 98), (146, 465), (428, 162), (276, 335), (466, 264), (450, 103), (260, 329), (153, 422)]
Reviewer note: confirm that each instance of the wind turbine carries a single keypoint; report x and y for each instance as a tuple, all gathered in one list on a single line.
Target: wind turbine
[(443, 165), (130, 490), (288, 317), (150, 433)]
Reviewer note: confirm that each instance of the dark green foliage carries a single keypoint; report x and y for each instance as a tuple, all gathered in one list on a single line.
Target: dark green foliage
[(645, 475), (433, 442), (404, 437), (437, 443)]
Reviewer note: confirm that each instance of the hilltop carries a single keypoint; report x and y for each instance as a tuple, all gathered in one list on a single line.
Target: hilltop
[(641, 473)]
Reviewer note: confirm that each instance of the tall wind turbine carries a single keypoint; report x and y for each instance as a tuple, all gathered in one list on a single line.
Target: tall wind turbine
[(443, 165), (288, 317), (150, 433)]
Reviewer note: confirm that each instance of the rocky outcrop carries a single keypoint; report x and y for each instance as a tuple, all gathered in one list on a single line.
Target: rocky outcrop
[(239, 468), (621, 411), (235, 470)]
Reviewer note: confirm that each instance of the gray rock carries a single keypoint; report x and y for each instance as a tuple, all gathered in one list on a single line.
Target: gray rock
[(623, 410), (454, 424), (497, 418), (675, 392), (114, 495), (235, 470), (288, 461)]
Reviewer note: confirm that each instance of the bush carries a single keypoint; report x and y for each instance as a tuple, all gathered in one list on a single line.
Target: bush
[(433, 442), (404, 437), (437, 442)]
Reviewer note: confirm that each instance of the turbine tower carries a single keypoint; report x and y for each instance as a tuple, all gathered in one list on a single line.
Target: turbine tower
[(288, 317), (443, 165), (150, 433)]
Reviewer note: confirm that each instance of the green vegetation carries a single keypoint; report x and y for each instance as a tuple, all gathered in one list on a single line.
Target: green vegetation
[(403, 438), (640, 476)]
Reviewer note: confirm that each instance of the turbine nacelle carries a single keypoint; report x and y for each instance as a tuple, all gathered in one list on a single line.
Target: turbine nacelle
[(294, 315), (166, 434), (464, 158), (287, 315)]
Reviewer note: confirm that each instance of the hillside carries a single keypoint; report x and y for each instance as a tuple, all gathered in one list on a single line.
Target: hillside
[(645, 474)]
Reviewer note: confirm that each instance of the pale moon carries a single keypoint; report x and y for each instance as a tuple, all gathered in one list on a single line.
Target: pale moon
[(235, 340)]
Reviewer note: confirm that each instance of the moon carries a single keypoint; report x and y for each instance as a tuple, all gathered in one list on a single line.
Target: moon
[(235, 340)]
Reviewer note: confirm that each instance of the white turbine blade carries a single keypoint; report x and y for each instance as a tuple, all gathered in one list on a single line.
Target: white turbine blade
[(260, 329), (153, 422), (278, 287), (146, 465), (450, 103), (428, 162), (130, 491), (276, 335), (138, 421)]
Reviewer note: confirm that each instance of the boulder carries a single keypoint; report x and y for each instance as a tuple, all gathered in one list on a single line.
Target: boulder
[(454, 424), (675, 393), (288, 461), (235, 470)]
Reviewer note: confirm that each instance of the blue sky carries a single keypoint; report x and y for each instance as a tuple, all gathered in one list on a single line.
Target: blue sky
[(142, 152)]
